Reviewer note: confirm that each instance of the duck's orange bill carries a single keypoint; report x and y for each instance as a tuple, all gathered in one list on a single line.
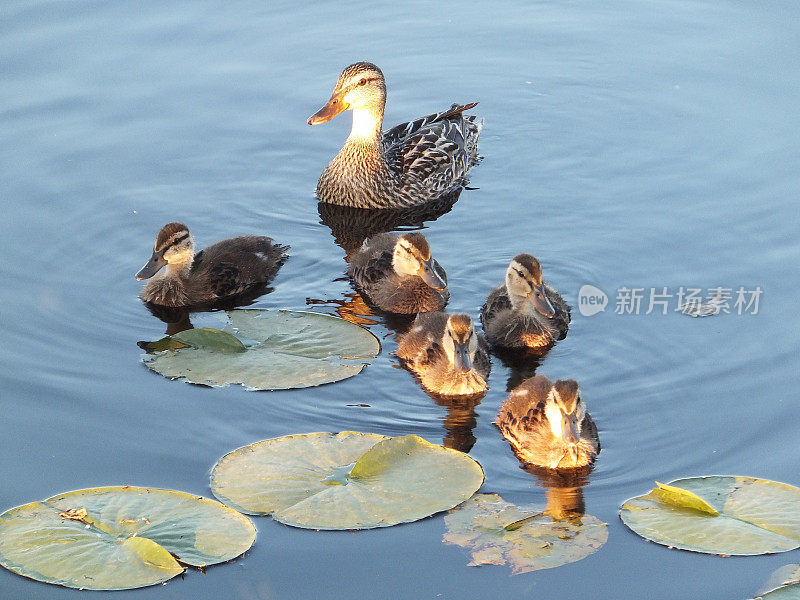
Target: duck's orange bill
[(334, 106)]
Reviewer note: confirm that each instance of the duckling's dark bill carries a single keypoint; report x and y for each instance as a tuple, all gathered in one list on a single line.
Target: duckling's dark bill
[(334, 106), (152, 267), (431, 277), (461, 360), (542, 303)]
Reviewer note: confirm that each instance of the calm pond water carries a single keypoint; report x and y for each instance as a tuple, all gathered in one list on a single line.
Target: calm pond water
[(627, 145)]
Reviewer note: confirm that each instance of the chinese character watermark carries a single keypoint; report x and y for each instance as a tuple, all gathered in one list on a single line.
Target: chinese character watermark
[(692, 301)]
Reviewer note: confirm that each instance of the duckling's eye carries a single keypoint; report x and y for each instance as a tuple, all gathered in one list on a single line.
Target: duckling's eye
[(362, 81), (518, 272)]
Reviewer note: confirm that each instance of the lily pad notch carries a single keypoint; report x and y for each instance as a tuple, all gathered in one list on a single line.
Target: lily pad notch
[(726, 515), (347, 480), (118, 538), (266, 350)]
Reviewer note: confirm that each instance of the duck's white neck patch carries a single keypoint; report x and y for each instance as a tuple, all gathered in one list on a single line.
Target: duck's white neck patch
[(366, 125), (554, 416)]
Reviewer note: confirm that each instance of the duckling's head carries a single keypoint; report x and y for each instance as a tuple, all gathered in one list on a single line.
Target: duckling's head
[(174, 247), (460, 342), (412, 256), (565, 411), (361, 87), (525, 288)]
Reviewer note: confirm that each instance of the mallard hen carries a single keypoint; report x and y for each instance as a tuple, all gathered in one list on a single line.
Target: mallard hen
[(412, 163)]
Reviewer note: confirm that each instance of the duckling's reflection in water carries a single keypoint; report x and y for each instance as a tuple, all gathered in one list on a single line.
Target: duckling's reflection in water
[(177, 318), (522, 364), (460, 420), (564, 493), (351, 226)]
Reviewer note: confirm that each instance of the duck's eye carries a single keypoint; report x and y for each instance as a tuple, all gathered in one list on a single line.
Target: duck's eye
[(362, 81)]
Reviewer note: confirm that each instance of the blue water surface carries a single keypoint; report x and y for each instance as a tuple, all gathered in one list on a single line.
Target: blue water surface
[(627, 145)]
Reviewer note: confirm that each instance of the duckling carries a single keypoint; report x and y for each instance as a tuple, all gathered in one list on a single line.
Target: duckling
[(223, 270), (412, 163), (525, 312), (397, 274), (447, 354), (547, 424)]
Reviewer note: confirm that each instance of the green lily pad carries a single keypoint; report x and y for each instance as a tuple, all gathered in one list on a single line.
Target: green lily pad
[(734, 515), (497, 532), (347, 480), (269, 350), (783, 584), (211, 339), (117, 538)]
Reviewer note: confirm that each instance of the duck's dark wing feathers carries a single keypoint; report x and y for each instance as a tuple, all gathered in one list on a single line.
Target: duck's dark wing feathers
[(231, 266), (373, 261), (589, 430), (563, 316), (399, 132), (496, 302), (430, 145)]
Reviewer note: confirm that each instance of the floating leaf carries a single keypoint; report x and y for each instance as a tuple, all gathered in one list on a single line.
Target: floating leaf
[(210, 339), (497, 532), (165, 343), (118, 538), (783, 584), (348, 480), (282, 350), (750, 516), (681, 498)]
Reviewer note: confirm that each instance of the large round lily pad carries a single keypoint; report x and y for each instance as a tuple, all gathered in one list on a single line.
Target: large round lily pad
[(718, 515), (117, 538), (497, 532), (347, 480), (268, 350)]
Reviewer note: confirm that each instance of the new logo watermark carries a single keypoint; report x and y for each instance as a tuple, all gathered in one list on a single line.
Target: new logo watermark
[(692, 301), (591, 300)]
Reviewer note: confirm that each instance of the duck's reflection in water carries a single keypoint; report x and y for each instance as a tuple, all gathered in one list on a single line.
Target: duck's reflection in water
[(522, 364), (177, 318), (460, 420), (563, 490), (351, 226)]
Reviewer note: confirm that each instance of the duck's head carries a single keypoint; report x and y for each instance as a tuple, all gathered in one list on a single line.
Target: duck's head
[(524, 285), (361, 88), (412, 256), (174, 247), (460, 342), (565, 411)]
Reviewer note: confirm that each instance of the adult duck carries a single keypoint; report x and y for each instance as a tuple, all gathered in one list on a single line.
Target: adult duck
[(410, 164)]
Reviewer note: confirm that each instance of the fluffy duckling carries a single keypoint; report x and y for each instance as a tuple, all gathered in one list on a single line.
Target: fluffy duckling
[(222, 270), (547, 424), (412, 163), (398, 274), (447, 354), (525, 311)]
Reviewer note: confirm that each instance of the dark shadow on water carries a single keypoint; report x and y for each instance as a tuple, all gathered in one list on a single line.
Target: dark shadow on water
[(177, 318), (521, 362), (460, 421), (351, 226)]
